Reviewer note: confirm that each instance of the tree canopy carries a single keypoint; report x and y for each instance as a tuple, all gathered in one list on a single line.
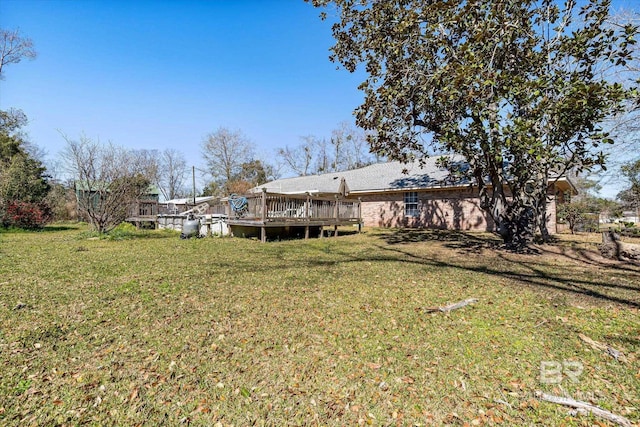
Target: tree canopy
[(232, 164), (108, 179), (346, 149), (225, 151), (13, 48), (173, 173), (630, 196), (23, 180), (511, 85)]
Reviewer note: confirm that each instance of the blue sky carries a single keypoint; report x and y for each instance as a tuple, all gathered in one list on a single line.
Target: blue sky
[(156, 74), (163, 74)]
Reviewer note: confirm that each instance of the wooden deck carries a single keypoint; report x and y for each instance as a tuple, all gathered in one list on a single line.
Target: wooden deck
[(143, 213), (268, 214)]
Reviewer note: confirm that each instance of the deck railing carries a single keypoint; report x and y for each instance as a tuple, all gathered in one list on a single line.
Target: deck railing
[(143, 208), (267, 207)]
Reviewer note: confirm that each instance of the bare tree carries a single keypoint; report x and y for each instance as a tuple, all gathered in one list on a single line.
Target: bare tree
[(225, 151), (351, 147), (347, 149), (300, 159), (108, 178), (13, 48), (148, 163), (173, 172)]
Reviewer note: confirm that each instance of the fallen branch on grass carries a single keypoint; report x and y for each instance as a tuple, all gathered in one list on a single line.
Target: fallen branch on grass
[(451, 307), (616, 354), (584, 406)]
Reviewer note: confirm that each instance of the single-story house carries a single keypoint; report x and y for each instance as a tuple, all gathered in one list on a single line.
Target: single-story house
[(396, 194), (91, 194)]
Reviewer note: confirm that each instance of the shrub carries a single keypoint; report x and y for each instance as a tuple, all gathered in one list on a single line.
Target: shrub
[(122, 231), (26, 215), (630, 232)]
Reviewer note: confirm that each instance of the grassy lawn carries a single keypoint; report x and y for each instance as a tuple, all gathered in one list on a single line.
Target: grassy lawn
[(156, 330)]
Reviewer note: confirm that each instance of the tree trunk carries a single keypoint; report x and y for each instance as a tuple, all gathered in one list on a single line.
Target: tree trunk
[(517, 226), (542, 217), (544, 231), (612, 247)]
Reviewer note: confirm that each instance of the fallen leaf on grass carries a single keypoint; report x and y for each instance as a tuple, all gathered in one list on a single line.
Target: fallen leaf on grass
[(531, 403), (202, 409)]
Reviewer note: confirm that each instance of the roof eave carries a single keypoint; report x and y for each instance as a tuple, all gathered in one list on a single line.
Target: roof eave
[(406, 189)]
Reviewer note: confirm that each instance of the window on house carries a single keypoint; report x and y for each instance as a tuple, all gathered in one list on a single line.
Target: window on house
[(411, 204)]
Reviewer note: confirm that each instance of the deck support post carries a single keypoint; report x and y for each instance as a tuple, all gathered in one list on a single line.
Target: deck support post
[(307, 215), (263, 229), (337, 218), (359, 214)]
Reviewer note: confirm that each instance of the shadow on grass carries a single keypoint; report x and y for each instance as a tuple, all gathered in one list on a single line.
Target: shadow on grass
[(136, 235), (292, 236), (623, 340), (536, 273), (47, 229), (455, 239), (580, 273), (149, 235), (528, 268), (591, 257), (57, 228)]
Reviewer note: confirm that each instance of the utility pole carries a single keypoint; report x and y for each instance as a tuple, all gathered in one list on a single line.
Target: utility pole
[(193, 176)]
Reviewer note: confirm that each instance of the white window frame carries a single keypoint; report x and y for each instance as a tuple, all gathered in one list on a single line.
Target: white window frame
[(411, 202)]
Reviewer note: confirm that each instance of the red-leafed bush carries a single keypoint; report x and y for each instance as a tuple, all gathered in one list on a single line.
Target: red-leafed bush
[(26, 215)]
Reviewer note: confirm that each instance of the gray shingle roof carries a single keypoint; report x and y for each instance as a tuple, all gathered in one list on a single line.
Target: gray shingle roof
[(374, 178)]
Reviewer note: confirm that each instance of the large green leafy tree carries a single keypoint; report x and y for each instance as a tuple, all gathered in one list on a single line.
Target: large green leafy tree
[(510, 85), (23, 180)]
